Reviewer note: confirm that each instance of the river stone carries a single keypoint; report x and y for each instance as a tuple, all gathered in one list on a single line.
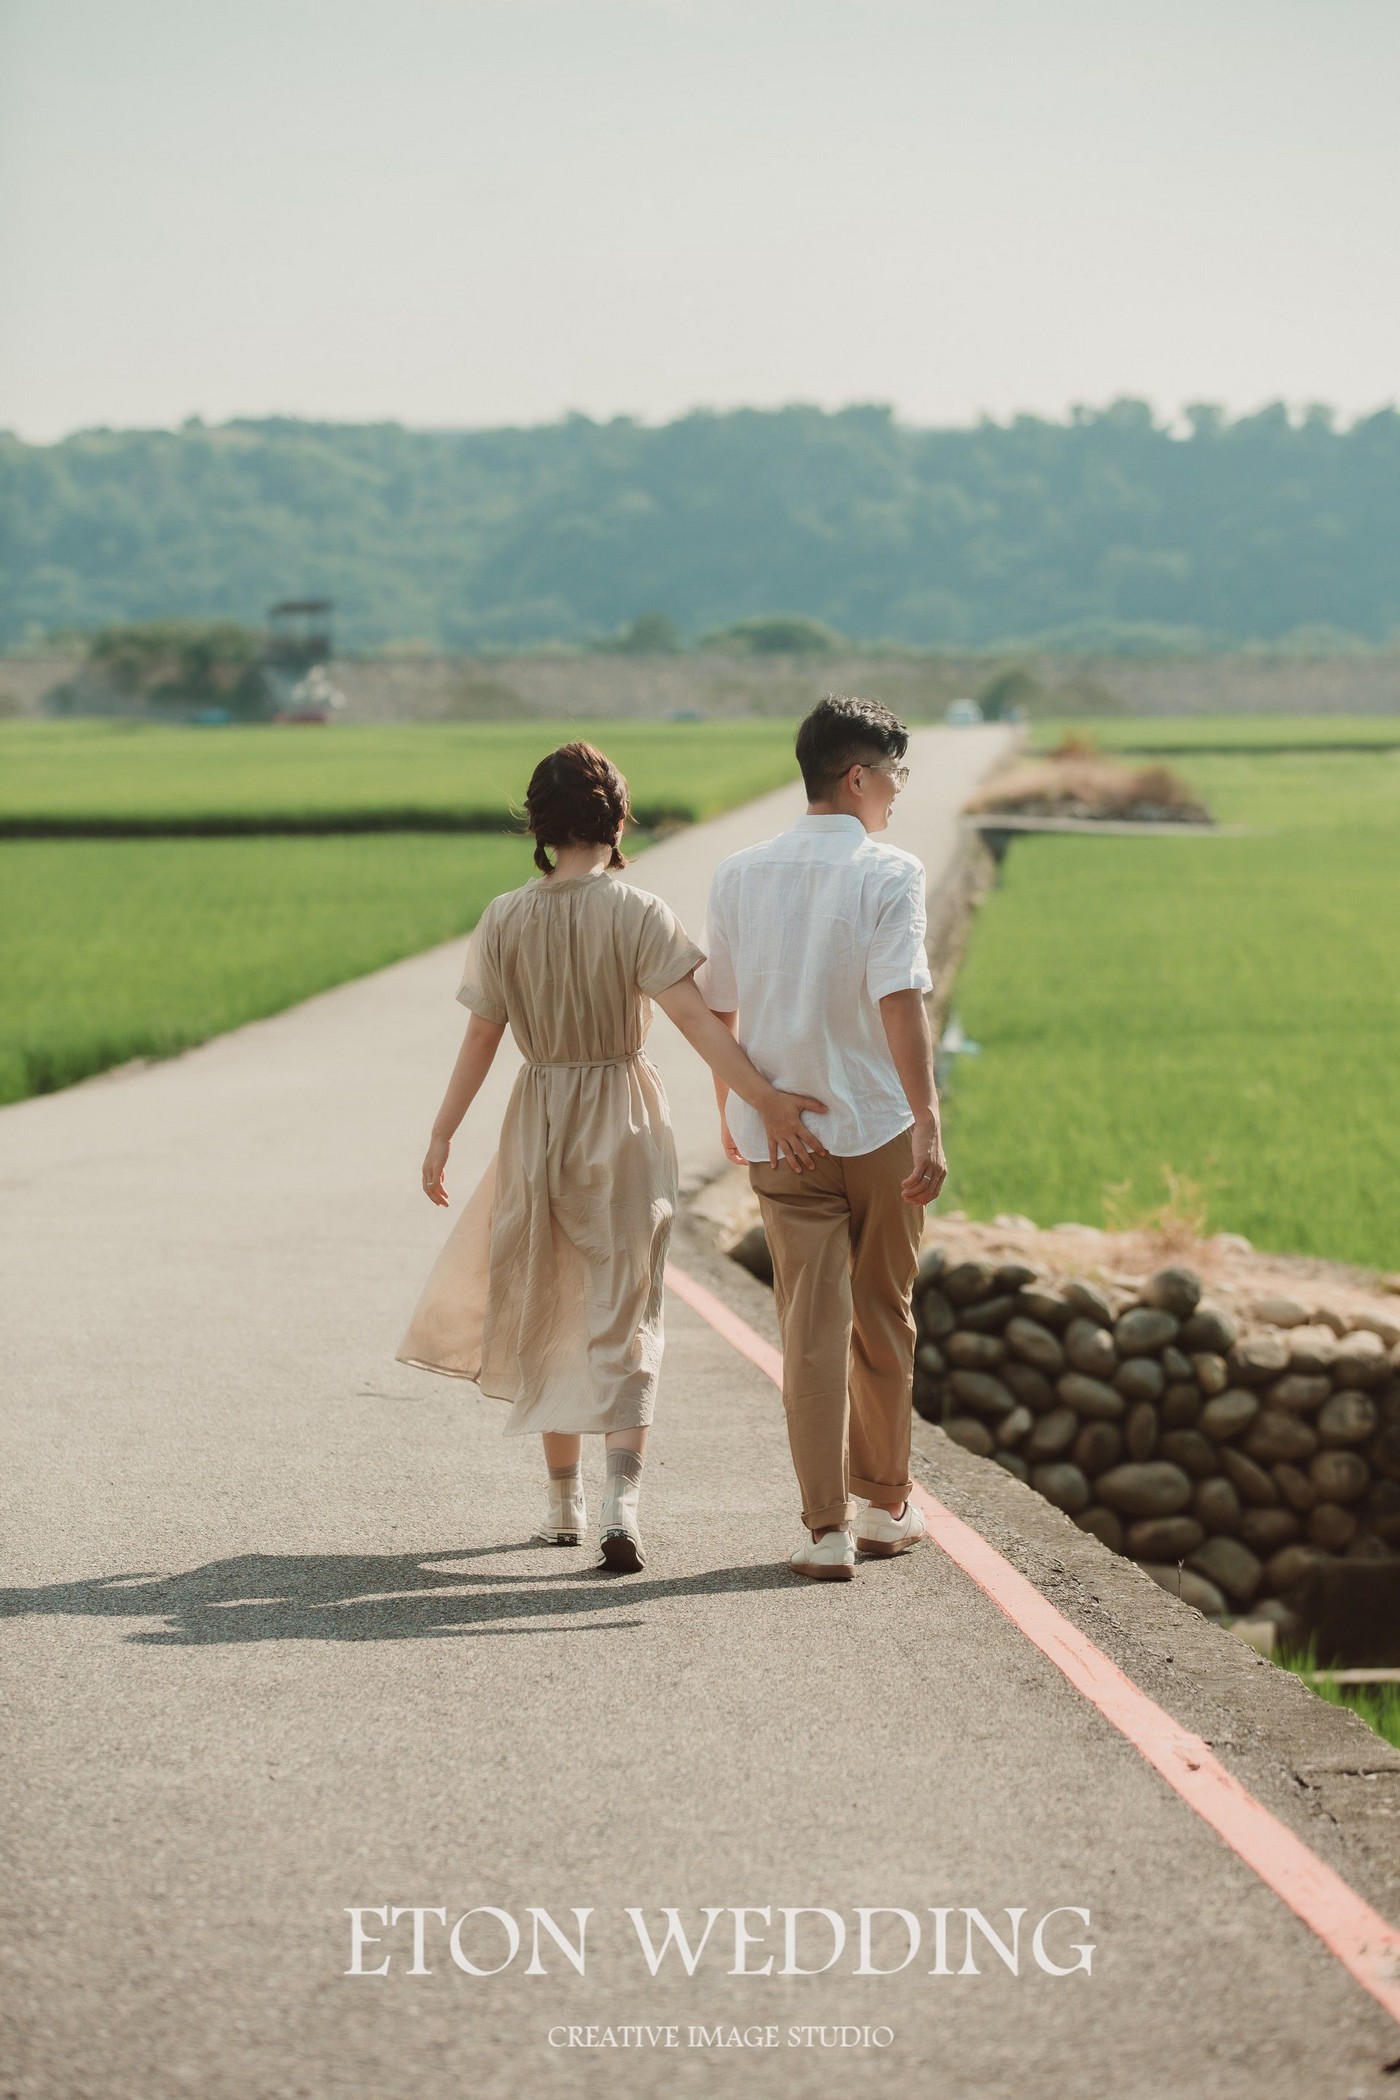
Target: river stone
[(1098, 1446), (1176, 1366), (1164, 1538), (1141, 1430), (1149, 1489), (1281, 1312), (1284, 1569), (1176, 1291), (1257, 1358), (1144, 1329), (1216, 1504), (1031, 1387), (1209, 1327), (1312, 1349), (1332, 1526), (1230, 1566), (931, 1264), (1187, 1448), (1383, 1324), (1035, 1345), (1103, 1524), (1328, 1316), (1348, 1418), (1362, 1360), (1090, 1347), (1017, 1424), (1211, 1372), (974, 1352), (973, 1436), (1179, 1407), (1053, 1434), (1091, 1397), (1191, 1588), (1383, 1509), (1045, 1304), (1299, 1391), (1014, 1275), (1063, 1485), (982, 1393), (936, 1315), (1275, 1435), (1013, 1463), (928, 1397), (1254, 1484), (987, 1317), (1228, 1413), (1296, 1488), (1339, 1476), (929, 1357), (967, 1282), (1385, 1451), (1088, 1299), (1265, 1530), (1366, 1546), (1140, 1378)]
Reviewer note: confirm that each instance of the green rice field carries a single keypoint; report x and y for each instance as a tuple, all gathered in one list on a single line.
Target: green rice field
[(118, 948), (1245, 733), (1224, 1011), (123, 776)]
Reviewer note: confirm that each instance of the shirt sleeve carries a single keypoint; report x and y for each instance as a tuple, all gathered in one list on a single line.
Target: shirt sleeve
[(897, 961), (481, 989), (665, 952), (718, 984)]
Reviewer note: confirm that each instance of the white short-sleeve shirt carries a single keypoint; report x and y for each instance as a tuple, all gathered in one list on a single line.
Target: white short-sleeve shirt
[(807, 933)]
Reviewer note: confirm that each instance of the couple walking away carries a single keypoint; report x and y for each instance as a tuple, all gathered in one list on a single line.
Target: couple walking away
[(808, 1005)]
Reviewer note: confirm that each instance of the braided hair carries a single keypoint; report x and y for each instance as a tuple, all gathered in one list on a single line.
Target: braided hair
[(576, 796)]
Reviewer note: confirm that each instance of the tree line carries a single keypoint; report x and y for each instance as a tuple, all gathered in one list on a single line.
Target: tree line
[(1106, 531)]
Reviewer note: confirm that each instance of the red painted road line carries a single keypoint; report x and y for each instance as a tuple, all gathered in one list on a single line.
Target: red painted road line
[(1360, 1938)]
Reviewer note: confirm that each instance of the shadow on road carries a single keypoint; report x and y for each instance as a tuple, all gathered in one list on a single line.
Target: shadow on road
[(370, 1597)]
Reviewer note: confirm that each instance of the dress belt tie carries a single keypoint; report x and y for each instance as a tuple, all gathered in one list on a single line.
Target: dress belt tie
[(582, 1064)]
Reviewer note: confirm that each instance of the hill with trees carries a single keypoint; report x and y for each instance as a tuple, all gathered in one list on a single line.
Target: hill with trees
[(1108, 531)]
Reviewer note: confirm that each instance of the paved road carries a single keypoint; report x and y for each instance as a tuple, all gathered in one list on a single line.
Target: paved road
[(274, 1648)]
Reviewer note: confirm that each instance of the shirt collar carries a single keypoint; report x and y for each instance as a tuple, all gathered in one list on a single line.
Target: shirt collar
[(829, 823)]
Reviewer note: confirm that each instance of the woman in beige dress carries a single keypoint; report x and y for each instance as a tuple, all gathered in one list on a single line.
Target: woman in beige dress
[(548, 1291)]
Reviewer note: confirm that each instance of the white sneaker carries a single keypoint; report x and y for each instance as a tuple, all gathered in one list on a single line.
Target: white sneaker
[(882, 1535), (831, 1558), (566, 1519), (620, 1540)]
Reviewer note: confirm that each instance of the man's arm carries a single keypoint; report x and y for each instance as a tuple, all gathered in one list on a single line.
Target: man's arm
[(911, 1046)]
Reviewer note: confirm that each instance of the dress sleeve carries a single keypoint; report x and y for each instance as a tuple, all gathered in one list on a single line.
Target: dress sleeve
[(897, 961), (665, 952), (717, 981), (481, 989)]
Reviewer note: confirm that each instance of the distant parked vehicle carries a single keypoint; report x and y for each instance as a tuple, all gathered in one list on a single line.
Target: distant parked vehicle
[(960, 712)]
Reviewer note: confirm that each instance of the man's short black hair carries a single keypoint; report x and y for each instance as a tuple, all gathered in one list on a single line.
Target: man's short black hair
[(841, 732)]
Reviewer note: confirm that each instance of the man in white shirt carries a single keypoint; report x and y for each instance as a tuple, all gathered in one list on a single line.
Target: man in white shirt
[(816, 960)]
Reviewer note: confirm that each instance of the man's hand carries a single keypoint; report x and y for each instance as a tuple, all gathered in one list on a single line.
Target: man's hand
[(731, 1150), (930, 1169), (787, 1134)]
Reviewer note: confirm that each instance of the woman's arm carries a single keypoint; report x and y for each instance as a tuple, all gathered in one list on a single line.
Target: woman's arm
[(479, 1046), (782, 1113)]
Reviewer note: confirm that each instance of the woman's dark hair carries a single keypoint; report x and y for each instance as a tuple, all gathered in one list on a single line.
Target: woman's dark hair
[(575, 795), (841, 732)]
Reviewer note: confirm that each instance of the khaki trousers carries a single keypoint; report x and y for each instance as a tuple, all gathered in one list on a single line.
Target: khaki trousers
[(845, 1249)]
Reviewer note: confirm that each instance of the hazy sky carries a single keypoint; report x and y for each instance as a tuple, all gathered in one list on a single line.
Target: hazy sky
[(480, 211)]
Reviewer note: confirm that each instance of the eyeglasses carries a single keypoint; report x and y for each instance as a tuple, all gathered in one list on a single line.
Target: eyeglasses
[(897, 773)]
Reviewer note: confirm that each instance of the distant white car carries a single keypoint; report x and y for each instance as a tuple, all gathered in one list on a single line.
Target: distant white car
[(961, 712)]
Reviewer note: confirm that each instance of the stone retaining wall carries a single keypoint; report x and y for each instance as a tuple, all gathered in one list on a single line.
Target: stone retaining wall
[(1228, 1453)]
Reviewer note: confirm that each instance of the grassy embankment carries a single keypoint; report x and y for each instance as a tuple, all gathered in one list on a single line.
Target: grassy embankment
[(113, 948), (1377, 1704), (1222, 1010)]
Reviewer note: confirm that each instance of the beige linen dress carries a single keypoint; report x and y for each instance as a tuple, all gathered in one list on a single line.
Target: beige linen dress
[(548, 1290)]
